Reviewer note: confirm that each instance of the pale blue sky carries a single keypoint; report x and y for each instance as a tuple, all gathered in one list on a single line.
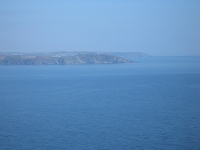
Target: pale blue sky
[(156, 27)]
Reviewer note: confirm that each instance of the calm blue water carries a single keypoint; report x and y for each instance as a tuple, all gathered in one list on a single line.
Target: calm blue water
[(152, 104)]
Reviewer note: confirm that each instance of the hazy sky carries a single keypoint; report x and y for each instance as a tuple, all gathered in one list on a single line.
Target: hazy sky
[(156, 27)]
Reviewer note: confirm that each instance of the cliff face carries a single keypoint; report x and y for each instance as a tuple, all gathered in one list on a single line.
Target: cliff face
[(64, 60)]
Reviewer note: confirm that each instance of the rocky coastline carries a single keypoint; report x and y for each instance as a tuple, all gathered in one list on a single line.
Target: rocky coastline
[(60, 59)]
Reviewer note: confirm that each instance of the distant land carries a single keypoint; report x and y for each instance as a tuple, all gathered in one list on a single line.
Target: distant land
[(129, 55), (66, 58), (59, 58)]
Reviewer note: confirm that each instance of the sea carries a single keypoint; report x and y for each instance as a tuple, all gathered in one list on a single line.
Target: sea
[(152, 104)]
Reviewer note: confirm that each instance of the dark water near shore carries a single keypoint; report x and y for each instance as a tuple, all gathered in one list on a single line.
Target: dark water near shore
[(152, 104)]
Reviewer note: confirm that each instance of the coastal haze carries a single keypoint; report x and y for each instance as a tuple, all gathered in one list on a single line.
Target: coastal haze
[(90, 75), (163, 28)]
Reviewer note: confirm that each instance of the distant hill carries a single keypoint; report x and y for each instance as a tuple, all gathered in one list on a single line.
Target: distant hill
[(129, 55), (59, 58)]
